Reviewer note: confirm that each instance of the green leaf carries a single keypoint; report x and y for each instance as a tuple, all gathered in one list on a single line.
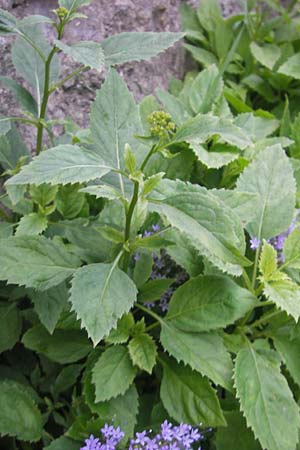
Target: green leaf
[(63, 443), (264, 393), (12, 148), (43, 194), (8, 23), (219, 156), (285, 294), (268, 262), (266, 54), (174, 106), (291, 250), (73, 4), (24, 97), (5, 125), (209, 14), (113, 373), (102, 191), (67, 378), (208, 224), (188, 397), (154, 289), (10, 326), (143, 268), (236, 434), (202, 56), (289, 349), (270, 176), (50, 304), (122, 332), (88, 53), (69, 202), (208, 302), (291, 67), (35, 262), (100, 295), (62, 165), (205, 90), (143, 351), (203, 352), (19, 416), (242, 203), (136, 46), (75, 344), (203, 127), (32, 224), (256, 127)]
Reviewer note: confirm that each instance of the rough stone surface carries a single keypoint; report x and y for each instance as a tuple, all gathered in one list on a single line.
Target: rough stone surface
[(105, 17)]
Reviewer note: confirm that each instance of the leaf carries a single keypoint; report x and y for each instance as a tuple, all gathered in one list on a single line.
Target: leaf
[(285, 294), (5, 125), (12, 148), (268, 262), (75, 344), (143, 351), (267, 54), (67, 378), (100, 295), (113, 373), (50, 304), (217, 157), (35, 262), (236, 434), (19, 416), (270, 176), (62, 165), (63, 443), (210, 227), (188, 397), (43, 194), (264, 393), (32, 224), (291, 250), (209, 14), (122, 332), (208, 302), (24, 97), (73, 4), (289, 349), (69, 201), (203, 127), (202, 56), (291, 67), (174, 106), (205, 90), (136, 46), (256, 127), (102, 191), (203, 352), (242, 203), (153, 289), (8, 23), (10, 326), (143, 268), (88, 53)]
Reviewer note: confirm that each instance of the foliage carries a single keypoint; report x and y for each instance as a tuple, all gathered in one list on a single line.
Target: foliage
[(149, 264)]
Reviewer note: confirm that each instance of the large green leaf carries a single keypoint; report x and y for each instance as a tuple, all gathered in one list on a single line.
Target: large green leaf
[(204, 352), (270, 176), (219, 156), (88, 53), (256, 127), (113, 373), (236, 435), (209, 302), (31, 224), (188, 397), (242, 203), (23, 96), (286, 294), (50, 304), (35, 262), (136, 46), (100, 295), (19, 416), (211, 227), (264, 395), (266, 54), (10, 326), (62, 165), (291, 67), (63, 346), (289, 349)]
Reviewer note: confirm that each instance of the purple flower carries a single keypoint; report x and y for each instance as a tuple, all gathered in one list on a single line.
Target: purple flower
[(254, 243), (155, 228), (91, 444)]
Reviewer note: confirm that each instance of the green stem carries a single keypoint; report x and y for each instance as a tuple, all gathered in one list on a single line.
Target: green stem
[(153, 325), (148, 311), (68, 77), (255, 267), (129, 216), (248, 282), (264, 319)]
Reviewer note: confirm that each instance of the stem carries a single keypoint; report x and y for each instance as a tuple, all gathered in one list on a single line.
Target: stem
[(153, 325), (68, 77), (129, 215), (248, 282), (144, 163), (151, 313), (264, 319), (255, 267)]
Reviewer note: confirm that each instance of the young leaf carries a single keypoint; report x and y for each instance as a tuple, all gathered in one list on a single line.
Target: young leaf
[(208, 302), (203, 352), (100, 295), (113, 373), (31, 224), (75, 344), (88, 53), (15, 401), (264, 393), (143, 351), (143, 268), (268, 262), (69, 201), (62, 165), (35, 262), (136, 46), (121, 333), (10, 326), (236, 434), (270, 176), (209, 14), (188, 397)]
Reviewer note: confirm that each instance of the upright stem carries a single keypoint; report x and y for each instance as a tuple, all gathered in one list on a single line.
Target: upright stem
[(255, 267), (129, 215)]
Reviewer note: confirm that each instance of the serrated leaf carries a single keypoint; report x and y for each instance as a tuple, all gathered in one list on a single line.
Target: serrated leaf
[(35, 262), (136, 46), (256, 127), (62, 165), (203, 352), (21, 94), (242, 203), (69, 201), (113, 373), (205, 90), (291, 250), (102, 191), (210, 227), (12, 148), (208, 302), (75, 344), (63, 443), (264, 393), (50, 304), (289, 349), (31, 224), (291, 67), (121, 333), (266, 54), (268, 262), (100, 295), (15, 401), (228, 437), (285, 294), (88, 53), (10, 326), (270, 176), (217, 157), (188, 397), (143, 351)]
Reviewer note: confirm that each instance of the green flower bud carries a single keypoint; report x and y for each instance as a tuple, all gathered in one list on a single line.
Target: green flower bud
[(61, 12), (162, 124)]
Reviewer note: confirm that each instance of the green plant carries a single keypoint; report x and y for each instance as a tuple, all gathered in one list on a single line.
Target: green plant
[(84, 337)]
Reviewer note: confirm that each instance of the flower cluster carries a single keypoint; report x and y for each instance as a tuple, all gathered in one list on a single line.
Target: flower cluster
[(170, 437), (161, 124)]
